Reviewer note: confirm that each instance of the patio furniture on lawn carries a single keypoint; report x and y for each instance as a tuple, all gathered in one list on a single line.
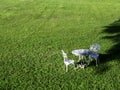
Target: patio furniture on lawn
[(66, 60), (82, 54), (94, 48)]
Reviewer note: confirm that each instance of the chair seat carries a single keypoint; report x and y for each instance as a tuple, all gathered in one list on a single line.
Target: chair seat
[(94, 55), (69, 61)]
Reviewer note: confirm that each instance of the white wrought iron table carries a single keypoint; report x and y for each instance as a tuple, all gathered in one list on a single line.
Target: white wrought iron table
[(82, 54)]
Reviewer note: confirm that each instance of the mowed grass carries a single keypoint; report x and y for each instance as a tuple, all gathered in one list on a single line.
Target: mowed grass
[(33, 33)]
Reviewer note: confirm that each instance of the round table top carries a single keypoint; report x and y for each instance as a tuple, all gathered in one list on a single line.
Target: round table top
[(81, 52)]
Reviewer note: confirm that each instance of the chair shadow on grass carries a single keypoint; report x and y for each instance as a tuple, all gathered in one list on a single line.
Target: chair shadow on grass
[(113, 34)]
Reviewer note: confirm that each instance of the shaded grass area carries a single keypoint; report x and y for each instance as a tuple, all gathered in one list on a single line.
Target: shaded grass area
[(32, 33), (113, 31)]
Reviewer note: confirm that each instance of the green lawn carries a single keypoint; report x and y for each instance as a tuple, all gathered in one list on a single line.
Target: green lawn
[(33, 33)]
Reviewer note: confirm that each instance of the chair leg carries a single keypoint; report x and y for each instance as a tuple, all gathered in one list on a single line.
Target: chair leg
[(96, 61), (89, 59), (66, 68), (74, 66), (79, 58)]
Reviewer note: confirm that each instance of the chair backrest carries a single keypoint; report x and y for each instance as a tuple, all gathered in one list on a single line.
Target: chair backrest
[(64, 55), (95, 47)]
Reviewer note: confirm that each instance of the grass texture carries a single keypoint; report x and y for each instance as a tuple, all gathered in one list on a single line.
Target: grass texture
[(33, 33)]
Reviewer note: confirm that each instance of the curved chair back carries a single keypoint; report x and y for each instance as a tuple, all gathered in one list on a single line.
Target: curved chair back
[(95, 47), (64, 55)]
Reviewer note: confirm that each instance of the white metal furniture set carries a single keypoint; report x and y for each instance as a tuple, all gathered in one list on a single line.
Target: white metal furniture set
[(85, 56)]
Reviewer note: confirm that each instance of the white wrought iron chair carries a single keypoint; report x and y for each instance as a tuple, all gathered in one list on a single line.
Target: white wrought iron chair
[(94, 48), (66, 60)]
